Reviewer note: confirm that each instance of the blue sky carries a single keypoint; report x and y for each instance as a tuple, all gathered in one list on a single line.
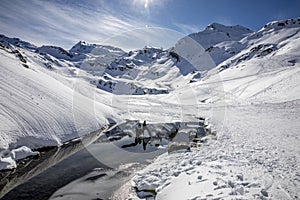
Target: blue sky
[(132, 23)]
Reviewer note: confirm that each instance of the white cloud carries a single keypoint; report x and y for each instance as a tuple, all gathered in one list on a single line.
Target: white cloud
[(147, 36), (63, 24), (188, 28), (224, 20)]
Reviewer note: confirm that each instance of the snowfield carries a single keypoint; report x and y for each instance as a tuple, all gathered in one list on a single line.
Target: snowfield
[(255, 156), (250, 102)]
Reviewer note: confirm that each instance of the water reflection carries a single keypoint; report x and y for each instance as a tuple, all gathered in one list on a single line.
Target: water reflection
[(131, 136)]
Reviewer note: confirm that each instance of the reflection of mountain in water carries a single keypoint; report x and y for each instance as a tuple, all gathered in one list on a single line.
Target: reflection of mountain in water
[(154, 135), (123, 135), (29, 168)]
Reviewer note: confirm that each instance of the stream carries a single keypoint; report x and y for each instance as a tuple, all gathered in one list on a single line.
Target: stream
[(95, 171)]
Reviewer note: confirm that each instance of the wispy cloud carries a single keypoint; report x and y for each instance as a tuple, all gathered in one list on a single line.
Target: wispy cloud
[(224, 20), (148, 36), (61, 23), (188, 28)]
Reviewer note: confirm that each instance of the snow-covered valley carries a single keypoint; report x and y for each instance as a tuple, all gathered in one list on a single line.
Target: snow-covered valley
[(243, 85)]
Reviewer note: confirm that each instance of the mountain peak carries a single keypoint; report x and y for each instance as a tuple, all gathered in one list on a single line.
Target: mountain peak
[(16, 42), (289, 23), (224, 28), (220, 41), (86, 48), (82, 47), (214, 26)]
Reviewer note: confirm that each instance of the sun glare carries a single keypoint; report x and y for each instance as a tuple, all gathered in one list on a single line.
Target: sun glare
[(146, 4)]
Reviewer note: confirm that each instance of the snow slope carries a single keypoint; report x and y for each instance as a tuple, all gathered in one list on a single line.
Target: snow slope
[(267, 70), (41, 107)]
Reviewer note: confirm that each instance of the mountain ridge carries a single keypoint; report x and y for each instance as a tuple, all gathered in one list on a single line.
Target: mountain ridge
[(220, 45)]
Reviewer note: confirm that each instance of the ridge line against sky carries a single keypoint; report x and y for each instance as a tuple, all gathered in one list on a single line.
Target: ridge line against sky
[(64, 22)]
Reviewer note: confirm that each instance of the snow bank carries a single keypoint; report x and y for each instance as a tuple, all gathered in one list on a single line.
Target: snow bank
[(22, 152), (178, 146), (8, 158), (7, 163)]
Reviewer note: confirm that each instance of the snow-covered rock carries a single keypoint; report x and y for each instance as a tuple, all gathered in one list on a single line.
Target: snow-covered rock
[(56, 52), (8, 158), (22, 152), (276, 25), (178, 146), (7, 163)]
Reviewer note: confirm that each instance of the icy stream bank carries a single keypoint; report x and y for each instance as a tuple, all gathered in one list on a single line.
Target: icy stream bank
[(98, 170)]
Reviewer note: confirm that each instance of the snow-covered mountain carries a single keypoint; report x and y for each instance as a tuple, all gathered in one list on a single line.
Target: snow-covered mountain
[(220, 41), (147, 71), (50, 95), (90, 57), (6, 41), (269, 62), (270, 38)]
